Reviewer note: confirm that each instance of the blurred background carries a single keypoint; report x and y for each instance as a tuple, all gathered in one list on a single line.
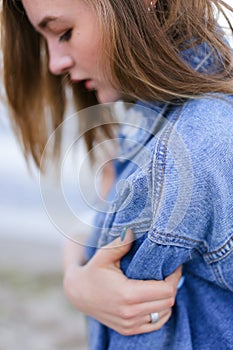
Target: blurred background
[(34, 313)]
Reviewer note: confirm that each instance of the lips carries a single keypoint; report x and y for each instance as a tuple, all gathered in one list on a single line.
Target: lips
[(87, 83), (77, 80)]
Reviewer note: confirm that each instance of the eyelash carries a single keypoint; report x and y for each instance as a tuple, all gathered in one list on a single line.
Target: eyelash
[(66, 36)]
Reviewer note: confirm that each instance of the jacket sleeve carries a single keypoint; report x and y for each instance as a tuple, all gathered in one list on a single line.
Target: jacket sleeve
[(192, 192)]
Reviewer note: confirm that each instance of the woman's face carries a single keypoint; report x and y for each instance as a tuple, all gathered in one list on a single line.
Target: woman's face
[(72, 33)]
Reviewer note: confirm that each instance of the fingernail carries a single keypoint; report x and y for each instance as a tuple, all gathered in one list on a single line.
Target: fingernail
[(123, 233), (181, 282)]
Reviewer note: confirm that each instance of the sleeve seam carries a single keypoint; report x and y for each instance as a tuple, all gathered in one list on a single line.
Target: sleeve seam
[(181, 241)]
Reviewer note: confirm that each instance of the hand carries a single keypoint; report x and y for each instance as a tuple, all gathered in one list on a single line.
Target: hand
[(100, 289)]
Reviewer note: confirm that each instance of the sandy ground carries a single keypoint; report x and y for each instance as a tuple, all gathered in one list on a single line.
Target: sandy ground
[(34, 313)]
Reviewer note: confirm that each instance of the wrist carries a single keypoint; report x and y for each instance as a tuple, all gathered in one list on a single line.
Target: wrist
[(73, 255), (70, 278)]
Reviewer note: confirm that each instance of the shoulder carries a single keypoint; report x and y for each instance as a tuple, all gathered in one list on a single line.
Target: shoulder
[(202, 128), (192, 173), (210, 116), (195, 145)]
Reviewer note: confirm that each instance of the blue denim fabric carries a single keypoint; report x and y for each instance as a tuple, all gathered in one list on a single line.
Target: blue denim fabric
[(174, 189)]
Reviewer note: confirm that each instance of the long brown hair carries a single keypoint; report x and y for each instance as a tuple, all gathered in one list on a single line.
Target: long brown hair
[(142, 47)]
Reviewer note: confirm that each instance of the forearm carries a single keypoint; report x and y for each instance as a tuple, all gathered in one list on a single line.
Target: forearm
[(74, 252)]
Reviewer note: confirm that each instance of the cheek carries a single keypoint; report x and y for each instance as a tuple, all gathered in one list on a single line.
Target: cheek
[(86, 53), (95, 53)]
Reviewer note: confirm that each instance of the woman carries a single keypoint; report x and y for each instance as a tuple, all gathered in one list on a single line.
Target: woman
[(35, 89), (170, 63)]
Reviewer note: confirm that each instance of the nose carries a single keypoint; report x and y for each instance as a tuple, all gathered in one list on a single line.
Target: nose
[(59, 62)]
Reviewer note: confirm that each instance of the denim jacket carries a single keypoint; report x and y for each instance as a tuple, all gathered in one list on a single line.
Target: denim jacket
[(174, 189)]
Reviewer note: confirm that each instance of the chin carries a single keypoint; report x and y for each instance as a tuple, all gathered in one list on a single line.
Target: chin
[(108, 97)]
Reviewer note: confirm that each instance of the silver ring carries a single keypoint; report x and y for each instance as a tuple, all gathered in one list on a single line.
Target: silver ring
[(154, 317)]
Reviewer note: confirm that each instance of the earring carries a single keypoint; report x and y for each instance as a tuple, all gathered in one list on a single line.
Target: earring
[(151, 7)]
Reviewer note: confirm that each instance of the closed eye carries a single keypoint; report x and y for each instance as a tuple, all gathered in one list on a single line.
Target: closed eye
[(66, 36)]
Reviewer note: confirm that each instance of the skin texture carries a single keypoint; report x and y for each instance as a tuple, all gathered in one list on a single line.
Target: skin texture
[(98, 287)]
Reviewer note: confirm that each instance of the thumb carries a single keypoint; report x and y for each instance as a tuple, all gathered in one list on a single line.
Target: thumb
[(114, 251)]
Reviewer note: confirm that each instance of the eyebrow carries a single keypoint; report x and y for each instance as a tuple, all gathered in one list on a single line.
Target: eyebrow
[(44, 23)]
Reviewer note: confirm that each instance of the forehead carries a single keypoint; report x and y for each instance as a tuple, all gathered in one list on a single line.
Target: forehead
[(37, 10)]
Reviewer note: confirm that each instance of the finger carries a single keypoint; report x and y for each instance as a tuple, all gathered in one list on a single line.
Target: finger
[(146, 318), (161, 315), (153, 306), (174, 278), (114, 251), (141, 324), (150, 327), (145, 291)]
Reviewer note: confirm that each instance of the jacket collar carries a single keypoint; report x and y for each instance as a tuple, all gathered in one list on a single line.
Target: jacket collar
[(139, 121)]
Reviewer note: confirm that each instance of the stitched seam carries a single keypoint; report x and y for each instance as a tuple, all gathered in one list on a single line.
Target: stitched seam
[(160, 168), (219, 250), (218, 275), (211, 256), (179, 241)]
